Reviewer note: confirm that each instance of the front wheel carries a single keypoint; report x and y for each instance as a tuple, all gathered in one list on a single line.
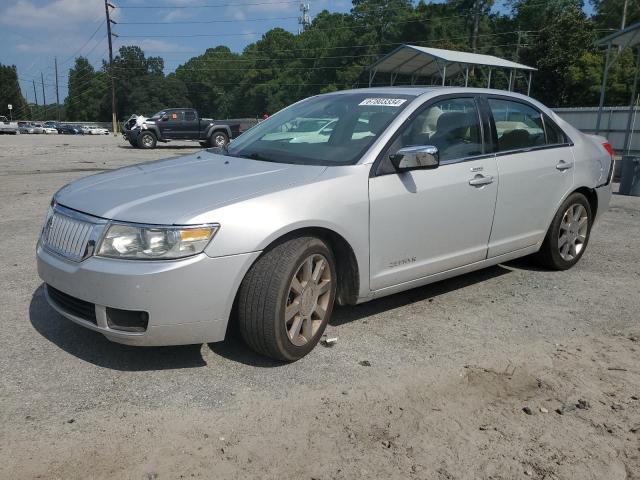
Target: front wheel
[(568, 234), (286, 299), (147, 140)]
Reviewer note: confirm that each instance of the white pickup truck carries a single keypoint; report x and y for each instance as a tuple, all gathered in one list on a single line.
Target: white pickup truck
[(8, 127)]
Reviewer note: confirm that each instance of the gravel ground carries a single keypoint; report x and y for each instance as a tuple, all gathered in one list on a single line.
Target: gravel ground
[(457, 380)]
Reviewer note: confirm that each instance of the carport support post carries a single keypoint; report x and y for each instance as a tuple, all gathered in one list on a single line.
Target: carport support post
[(489, 79), (510, 79), (529, 84), (466, 76), (603, 87), (372, 74), (627, 134), (444, 74)]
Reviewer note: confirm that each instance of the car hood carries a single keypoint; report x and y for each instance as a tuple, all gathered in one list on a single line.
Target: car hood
[(177, 190)]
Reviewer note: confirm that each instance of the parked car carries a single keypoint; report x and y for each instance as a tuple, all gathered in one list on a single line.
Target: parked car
[(279, 230), (179, 124), (49, 130), (86, 129), (99, 131), (70, 129), (37, 128), (26, 127), (8, 127)]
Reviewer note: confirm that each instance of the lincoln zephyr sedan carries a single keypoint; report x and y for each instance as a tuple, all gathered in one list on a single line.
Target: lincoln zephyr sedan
[(409, 186)]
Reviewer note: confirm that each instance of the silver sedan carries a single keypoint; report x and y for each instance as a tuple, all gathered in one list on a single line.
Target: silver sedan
[(407, 187)]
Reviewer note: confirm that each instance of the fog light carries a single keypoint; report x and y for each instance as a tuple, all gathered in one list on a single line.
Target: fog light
[(127, 320)]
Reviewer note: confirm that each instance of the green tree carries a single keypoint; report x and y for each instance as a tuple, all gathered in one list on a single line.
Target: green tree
[(10, 93)]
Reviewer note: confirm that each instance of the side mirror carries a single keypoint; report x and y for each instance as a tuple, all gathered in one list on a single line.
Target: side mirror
[(165, 118), (415, 158)]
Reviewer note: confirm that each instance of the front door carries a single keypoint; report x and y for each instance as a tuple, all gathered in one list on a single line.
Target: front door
[(535, 161), (171, 124), (424, 222)]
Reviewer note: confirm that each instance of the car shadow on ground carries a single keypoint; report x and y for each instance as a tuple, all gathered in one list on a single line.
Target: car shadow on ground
[(94, 348), (342, 315)]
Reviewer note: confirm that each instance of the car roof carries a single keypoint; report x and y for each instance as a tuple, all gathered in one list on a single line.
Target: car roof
[(422, 90)]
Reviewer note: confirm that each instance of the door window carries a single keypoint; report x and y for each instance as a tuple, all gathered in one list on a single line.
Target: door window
[(452, 126), (555, 135), (517, 125), (189, 116)]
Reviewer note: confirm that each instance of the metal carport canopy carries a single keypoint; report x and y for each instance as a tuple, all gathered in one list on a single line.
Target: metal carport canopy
[(425, 62)]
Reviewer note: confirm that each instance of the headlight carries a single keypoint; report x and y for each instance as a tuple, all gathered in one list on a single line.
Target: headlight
[(154, 242)]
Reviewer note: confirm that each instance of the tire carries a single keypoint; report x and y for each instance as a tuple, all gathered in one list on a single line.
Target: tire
[(147, 140), (269, 292), (218, 139), (568, 235)]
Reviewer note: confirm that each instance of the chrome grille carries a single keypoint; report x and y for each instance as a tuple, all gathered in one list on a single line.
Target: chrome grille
[(67, 236)]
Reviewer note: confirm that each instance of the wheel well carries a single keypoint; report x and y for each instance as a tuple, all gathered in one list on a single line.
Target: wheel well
[(592, 197), (221, 130), (346, 263)]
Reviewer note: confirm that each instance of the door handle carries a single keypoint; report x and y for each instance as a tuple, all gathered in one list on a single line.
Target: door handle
[(562, 165), (481, 180)]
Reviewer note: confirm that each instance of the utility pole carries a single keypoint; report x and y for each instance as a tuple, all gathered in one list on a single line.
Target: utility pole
[(44, 98), (55, 60), (477, 6), (113, 83), (35, 94)]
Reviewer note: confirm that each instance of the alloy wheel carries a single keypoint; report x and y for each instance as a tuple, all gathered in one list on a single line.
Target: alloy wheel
[(572, 235), (308, 299), (220, 140)]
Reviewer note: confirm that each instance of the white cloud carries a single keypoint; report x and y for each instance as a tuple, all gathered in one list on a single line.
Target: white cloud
[(54, 15)]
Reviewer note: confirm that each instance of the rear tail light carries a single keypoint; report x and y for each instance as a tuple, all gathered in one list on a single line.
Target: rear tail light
[(607, 146)]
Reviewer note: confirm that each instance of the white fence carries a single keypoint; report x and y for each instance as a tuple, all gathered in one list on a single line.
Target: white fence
[(613, 123)]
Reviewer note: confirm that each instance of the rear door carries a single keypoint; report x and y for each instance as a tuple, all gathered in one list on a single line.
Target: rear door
[(424, 222), (535, 165), (191, 125)]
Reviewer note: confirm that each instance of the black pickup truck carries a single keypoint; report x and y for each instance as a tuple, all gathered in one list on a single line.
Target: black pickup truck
[(179, 124)]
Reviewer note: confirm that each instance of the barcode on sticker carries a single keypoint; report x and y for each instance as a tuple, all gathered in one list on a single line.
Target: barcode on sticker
[(383, 102)]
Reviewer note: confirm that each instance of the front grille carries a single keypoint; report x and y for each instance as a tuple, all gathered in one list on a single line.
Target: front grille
[(73, 305), (67, 236)]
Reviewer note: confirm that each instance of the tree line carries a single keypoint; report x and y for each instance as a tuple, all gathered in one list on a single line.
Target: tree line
[(555, 36)]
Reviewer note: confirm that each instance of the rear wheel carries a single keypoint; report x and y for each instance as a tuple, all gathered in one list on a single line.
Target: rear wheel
[(286, 299), (219, 139), (147, 140), (568, 234)]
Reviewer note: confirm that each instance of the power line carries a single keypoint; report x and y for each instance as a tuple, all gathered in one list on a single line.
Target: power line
[(196, 22), (219, 5)]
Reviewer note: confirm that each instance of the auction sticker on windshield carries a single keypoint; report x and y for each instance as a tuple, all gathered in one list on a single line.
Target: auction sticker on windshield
[(383, 102)]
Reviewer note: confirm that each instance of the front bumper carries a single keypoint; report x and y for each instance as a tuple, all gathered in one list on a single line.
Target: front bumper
[(188, 301)]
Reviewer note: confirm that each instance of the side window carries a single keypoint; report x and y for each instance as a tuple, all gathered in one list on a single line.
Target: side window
[(189, 116), (176, 115), (517, 125), (452, 125), (555, 135)]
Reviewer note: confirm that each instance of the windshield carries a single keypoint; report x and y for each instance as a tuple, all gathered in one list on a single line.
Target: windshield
[(326, 130), (160, 114)]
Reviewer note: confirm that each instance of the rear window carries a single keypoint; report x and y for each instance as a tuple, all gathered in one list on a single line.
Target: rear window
[(517, 125)]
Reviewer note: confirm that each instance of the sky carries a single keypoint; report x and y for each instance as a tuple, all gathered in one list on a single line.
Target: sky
[(34, 32)]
